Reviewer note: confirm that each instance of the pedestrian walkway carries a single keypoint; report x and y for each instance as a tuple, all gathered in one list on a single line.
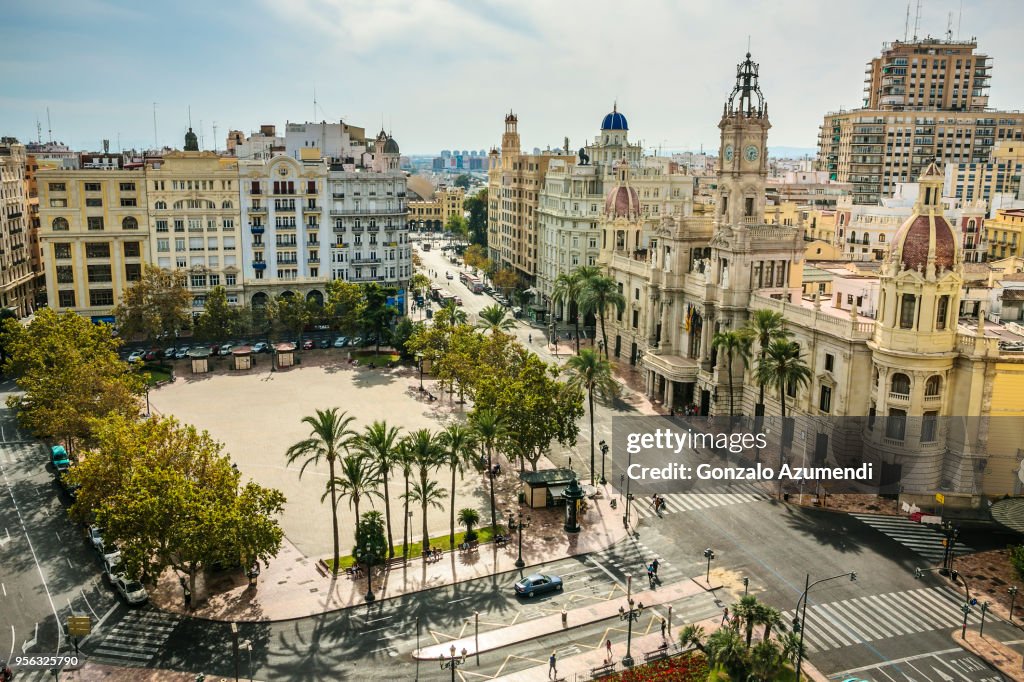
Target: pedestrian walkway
[(633, 558), (719, 496), (868, 619), (135, 639), (922, 539)]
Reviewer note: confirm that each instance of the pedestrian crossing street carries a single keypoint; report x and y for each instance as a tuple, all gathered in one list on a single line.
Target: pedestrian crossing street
[(707, 498), (22, 451), (633, 558), (868, 619), (923, 539), (136, 639)]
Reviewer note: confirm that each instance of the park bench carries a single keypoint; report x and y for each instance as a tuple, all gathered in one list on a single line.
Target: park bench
[(602, 670), (469, 546), (391, 563), (500, 542), (661, 652)]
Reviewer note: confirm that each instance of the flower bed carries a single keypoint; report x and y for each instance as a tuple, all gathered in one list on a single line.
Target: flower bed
[(690, 667)]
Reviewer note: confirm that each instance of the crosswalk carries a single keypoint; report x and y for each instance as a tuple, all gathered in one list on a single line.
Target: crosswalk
[(922, 539), (632, 558), (136, 639), (707, 498), (868, 619)]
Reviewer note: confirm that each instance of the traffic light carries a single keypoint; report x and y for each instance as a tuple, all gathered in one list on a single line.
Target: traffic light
[(918, 573), (796, 625), (853, 576)]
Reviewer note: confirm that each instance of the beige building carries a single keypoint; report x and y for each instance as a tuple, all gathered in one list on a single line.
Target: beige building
[(432, 213), (17, 278), (1006, 234), (928, 74), (1000, 174)]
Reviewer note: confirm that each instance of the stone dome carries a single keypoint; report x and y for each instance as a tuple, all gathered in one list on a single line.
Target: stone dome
[(622, 202), (913, 241), (391, 147), (614, 120)]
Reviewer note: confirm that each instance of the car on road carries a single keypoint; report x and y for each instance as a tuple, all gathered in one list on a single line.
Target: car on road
[(113, 569), (324, 343), (458, 300), (95, 536), (59, 458), (341, 342), (261, 347), (182, 353), (225, 349), (449, 275), (136, 356), (308, 344), (538, 584), (169, 352), (131, 590)]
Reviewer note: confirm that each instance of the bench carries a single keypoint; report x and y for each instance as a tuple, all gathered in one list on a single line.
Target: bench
[(397, 561), (500, 542), (602, 670), (469, 546), (659, 653)]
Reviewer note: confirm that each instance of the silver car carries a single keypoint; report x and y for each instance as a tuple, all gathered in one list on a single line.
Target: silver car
[(132, 590)]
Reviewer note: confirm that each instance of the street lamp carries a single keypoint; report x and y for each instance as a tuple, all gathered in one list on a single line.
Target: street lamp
[(629, 616), (1013, 597), (981, 628), (419, 359), (709, 554), (948, 543), (234, 646), (800, 623), (604, 453), (513, 525), (453, 662), (746, 584)]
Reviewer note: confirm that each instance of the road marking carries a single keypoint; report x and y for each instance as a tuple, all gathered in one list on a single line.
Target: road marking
[(70, 565), (4, 588), (13, 637), (5, 540), (907, 660), (30, 643), (82, 590), (453, 601)]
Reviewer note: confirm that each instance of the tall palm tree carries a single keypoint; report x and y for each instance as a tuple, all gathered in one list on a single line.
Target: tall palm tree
[(330, 438), (457, 441), (379, 442), (724, 647), (764, 327), (770, 618), (598, 295), (427, 454), (782, 367), (450, 315), (747, 610), (732, 343), (428, 494), (692, 634), (591, 373), (765, 661), (356, 479), (567, 290), (405, 461), (791, 646), (494, 319), (489, 429)]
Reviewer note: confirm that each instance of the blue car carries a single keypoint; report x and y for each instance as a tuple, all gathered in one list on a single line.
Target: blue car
[(538, 584)]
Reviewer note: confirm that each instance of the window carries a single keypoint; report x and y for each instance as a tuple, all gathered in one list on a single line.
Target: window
[(58, 187), (129, 223), (95, 222), (198, 280), (127, 203), (942, 313), (66, 299), (92, 187), (791, 389), (636, 319), (62, 250), (909, 302), (133, 249), (58, 203), (933, 387), (161, 206), (929, 424), (230, 280), (163, 245), (179, 262), (179, 225), (825, 399), (98, 297), (60, 224), (900, 384), (179, 244), (214, 280), (93, 202), (65, 274), (127, 186), (896, 424), (748, 208), (830, 362), (99, 273), (133, 272), (97, 250)]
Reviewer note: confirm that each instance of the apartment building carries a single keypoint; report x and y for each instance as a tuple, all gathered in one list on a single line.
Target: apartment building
[(1006, 234), (17, 278), (432, 214), (1000, 174)]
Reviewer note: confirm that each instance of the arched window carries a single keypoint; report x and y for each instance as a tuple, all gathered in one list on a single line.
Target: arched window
[(60, 224), (881, 239), (161, 205), (853, 237), (129, 223), (900, 384), (970, 224), (226, 204), (933, 386)]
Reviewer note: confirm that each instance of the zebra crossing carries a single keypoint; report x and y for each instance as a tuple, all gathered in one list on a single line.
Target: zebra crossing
[(867, 619), (719, 496), (136, 639), (633, 559), (919, 538)]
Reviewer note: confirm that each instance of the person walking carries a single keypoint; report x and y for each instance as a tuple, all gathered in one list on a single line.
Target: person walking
[(552, 670), (725, 616), (663, 626), (530, 338), (654, 566), (608, 647)]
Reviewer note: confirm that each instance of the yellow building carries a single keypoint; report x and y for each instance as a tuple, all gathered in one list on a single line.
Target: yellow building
[(1000, 174), (94, 237), (432, 214), (1004, 231)]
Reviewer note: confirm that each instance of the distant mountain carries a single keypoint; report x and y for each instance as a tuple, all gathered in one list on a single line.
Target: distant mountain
[(792, 152)]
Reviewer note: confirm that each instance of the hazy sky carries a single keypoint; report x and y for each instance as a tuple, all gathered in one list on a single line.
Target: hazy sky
[(441, 74)]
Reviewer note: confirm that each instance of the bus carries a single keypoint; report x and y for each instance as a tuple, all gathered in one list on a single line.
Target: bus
[(435, 292), (425, 246), (475, 285)]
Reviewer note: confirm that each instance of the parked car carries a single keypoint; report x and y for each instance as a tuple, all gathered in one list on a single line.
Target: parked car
[(261, 347), (324, 343), (110, 554), (182, 353), (308, 344), (170, 352), (132, 590), (59, 458), (458, 300), (225, 349), (341, 342), (113, 569), (153, 354), (95, 536), (538, 584), (136, 356), (356, 341)]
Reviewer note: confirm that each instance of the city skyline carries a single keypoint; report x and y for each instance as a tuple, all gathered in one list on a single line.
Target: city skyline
[(445, 82)]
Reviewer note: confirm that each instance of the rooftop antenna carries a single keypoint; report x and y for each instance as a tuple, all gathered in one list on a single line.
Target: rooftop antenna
[(949, 27), (49, 126), (748, 43), (959, 19), (201, 145), (214, 137), (119, 142), (917, 20), (906, 24), (314, 104), (156, 140), (39, 131)]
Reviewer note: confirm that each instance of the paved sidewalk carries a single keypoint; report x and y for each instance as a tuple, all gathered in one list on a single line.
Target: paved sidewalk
[(95, 672), (1001, 657)]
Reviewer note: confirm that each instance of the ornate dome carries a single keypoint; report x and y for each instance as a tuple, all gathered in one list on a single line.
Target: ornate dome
[(914, 240), (622, 202), (391, 147), (614, 120)]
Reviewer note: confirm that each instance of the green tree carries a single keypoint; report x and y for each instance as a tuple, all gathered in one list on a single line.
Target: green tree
[(731, 343), (489, 430), (724, 647), (765, 661), (504, 279), (219, 320), (592, 374), (330, 439), (457, 226), (292, 313), (601, 293), (763, 327), (379, 443), (770, 617), (747, 611), (370, 547), (692, 634), (568, 292), (462, 181), (400, 337), (494, 319), (345, 306), (791, 646), (469, 518), (475, 256), (70, 373), (405, 461), (427, 454), (427, 494), (782, 367), (477, 207), (155, 306), (457, 443), (420, 283), (355, 481), (377, 315)]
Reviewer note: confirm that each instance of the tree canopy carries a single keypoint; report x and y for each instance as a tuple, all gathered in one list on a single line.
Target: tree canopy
[(155, 306), (219, 320), (477, 207), (345, 306)]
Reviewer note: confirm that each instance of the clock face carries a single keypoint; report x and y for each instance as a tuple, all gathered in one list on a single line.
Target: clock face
[(728, 152), (751, 153)]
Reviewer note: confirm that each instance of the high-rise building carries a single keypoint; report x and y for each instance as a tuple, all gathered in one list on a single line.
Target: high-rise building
[(1000, 174), (17, 279), (925, 100)]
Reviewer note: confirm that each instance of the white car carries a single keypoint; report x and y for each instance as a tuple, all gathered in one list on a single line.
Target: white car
[(136, 356), (132, 590), (111, 554), (225, 349), (95, 536), (112, 570)]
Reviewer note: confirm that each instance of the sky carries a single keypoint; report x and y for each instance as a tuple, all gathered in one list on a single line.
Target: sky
[(442, 74)]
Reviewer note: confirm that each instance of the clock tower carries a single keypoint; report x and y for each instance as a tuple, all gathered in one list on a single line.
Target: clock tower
[(743, 157)]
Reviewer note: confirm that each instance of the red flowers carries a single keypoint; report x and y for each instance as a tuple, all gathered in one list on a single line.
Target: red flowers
[(690, 667)]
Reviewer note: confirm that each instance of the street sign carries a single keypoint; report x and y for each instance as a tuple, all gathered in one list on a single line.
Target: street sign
[(974, 602), (79, 626), (940, 498)]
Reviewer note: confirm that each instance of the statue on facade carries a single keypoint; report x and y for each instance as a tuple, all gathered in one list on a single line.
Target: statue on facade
[(584, 157)]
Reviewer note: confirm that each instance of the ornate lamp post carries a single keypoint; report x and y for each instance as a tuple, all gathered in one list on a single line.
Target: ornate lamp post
[(453, 661), (801, 622), (518, 526), (1013, 597), (629, 616), (604, 453)]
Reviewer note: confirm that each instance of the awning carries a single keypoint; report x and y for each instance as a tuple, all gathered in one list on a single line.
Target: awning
[(557, 490)]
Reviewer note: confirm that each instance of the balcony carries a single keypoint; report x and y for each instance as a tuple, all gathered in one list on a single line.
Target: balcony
[(338, 195), (365, 211), (902, 398), (366, 261), (257, 209), (259, 265), (15, 214), (313, 261)]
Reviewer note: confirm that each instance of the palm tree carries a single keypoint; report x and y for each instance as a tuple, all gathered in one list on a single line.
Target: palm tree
[(379, 442), (598, 295), (692, 634), (765, 661), (330, 438), (747, 610), (450, 315), (567, 289), (489, 430), (457, 441), (764, 327), (732, 343), (770, 618), (494, 319), (405, 461), (782, 367), (355, 481), (427, 454), (429, 494), (791, 646), (591, 373), (725, 648), (469, 517)]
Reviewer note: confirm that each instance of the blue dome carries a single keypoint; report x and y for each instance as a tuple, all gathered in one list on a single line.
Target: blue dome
[(614, 121)]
